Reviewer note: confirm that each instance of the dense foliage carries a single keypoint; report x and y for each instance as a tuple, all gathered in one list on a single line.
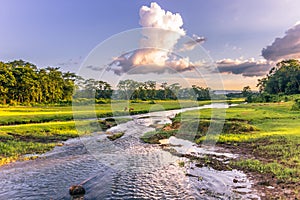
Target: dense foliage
[(130, 89), (134, 90), (22, 82), (280, 83), (284, 78)]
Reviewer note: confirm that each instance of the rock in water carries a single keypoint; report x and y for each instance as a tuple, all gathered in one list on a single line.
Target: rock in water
[(77, 192)]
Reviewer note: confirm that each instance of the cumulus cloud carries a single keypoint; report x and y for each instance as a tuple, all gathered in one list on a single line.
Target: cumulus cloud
[(154, 54), (149, 60), (155, 16), (286, 47), (249, 67)]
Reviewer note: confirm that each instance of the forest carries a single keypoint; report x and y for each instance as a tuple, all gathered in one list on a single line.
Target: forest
[(24, 83), (281, 81)]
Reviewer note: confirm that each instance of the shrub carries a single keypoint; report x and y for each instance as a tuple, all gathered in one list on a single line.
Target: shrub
[(152, 102), (296, 105)]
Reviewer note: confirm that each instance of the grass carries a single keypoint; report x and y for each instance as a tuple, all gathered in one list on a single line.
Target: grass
[(18, 140), (115, 136), (11, 150), (282, 172), (270, 132), (23, 114), (37, 129), (39, 114)]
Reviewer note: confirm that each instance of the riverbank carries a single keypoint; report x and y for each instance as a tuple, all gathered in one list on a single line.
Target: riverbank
[(124, 168), (266, 136), (36, 130), (32, 139)]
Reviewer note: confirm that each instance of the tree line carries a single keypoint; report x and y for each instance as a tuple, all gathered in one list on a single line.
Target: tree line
[(24, 83), (134, 90), (282, 80)]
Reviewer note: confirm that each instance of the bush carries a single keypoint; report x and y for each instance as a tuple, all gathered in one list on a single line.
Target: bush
[(296, 105), (134, 101), (152, 102), (102, 101)]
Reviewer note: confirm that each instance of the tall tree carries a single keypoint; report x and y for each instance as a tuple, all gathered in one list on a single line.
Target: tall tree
[(127, 88)]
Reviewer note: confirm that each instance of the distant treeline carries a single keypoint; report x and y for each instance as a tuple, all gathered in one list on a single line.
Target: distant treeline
[(134, 90), (24, 83)]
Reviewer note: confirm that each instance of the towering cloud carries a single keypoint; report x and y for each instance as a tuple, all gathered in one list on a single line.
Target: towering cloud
[(156, 17), (286, 47), (156, 46)]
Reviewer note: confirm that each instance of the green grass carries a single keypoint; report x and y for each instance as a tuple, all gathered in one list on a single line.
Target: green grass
[(115, 136), (37, 129), (40, 114), (17, 140), (282, 172), (12, 150), (276, 141), (23, 114), (270, 131)]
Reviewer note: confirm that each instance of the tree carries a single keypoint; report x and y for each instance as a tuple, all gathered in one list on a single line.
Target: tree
[(55, 89), (22, 82), (68, 85), (173, 90), (103, 90), (165, 88), (25, 89), (7, 80), (201, 93), (127, 88), (246, 91), (284, 78), (151, 86)]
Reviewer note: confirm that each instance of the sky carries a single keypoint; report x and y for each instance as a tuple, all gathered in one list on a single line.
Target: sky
[(243, 38)]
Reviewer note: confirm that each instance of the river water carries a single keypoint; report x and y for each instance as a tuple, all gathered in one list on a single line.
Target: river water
[(124, 169)]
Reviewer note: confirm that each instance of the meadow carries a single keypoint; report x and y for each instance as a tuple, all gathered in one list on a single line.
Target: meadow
[(266, 135), (37, 129), (12, 115)]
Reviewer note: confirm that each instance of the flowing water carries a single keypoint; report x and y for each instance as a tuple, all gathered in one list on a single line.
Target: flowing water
[(123, 169)]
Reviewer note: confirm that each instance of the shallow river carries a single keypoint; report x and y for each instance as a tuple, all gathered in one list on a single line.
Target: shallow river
[(123, 169)]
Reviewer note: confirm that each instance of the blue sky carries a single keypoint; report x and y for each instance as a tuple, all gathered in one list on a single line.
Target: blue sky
[(62, 33)]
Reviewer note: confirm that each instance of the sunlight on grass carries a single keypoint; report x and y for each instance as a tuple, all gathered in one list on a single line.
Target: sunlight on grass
[(271, 130)]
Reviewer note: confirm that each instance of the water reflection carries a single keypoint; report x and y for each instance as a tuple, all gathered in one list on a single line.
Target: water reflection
[(122, 169)]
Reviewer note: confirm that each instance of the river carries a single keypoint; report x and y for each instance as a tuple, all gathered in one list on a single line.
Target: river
[(123, 169)]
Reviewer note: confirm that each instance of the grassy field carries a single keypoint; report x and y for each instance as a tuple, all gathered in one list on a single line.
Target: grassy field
[(25, 115), (18, 140), (34, 130), (267, 135)]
